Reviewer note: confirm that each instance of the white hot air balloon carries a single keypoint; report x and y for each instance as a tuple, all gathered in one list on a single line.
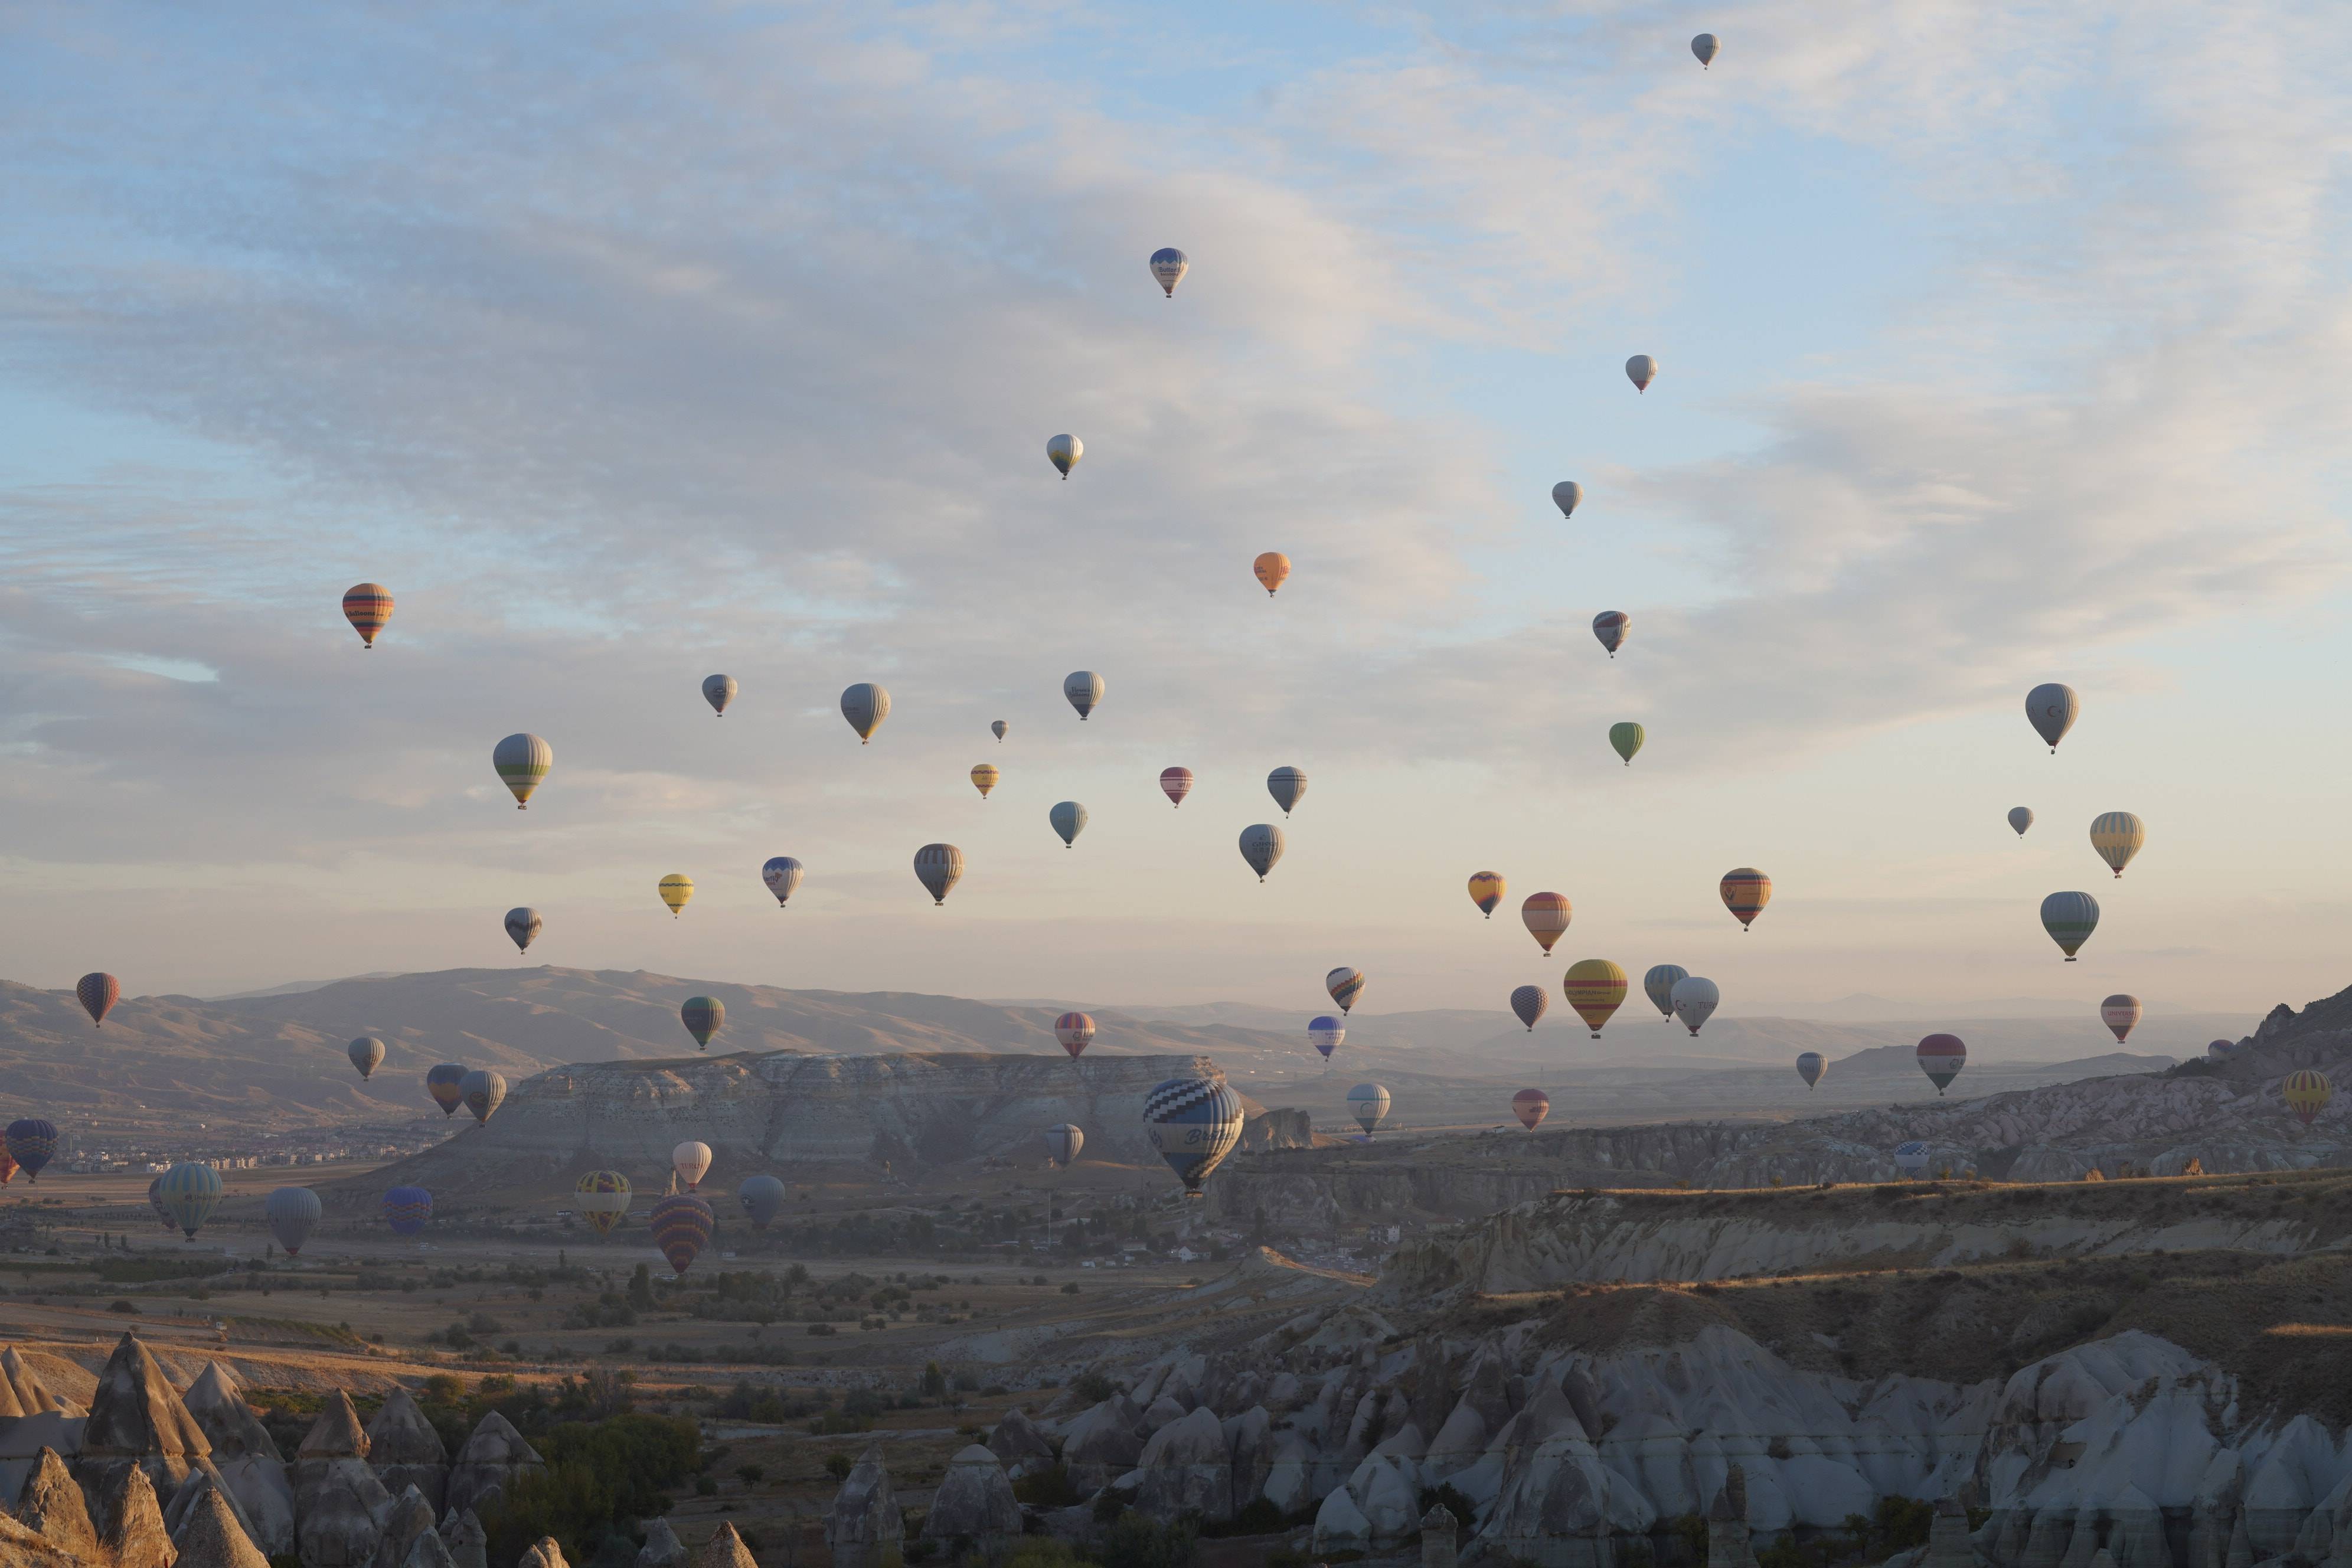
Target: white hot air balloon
[(1064, 452), (1695, 999), (691, 1161), (1640, 370)]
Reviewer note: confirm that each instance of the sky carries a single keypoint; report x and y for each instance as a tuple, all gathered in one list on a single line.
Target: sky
[(625, 343)]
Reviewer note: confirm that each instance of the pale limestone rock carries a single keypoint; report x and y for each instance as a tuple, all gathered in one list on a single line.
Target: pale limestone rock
[(20, 1548), (462, 1533), (340, 1514), (51, 1506), (259, 1485), (411, 1517), (1249, 1453), (133, 1532), (1728, 1544), (1947, 1536), (548, 1553), (1340, 1525), (2136, 1540), (1103, 1442), (663, 1548), (495, 1455), (725, 1549), (864, 1525), (2242, 1548), (406, 1451), (428, 1552), (2046, 1542), (211, 1537), (1186, 1467), (1162, 1411), (1437, 1531), (975, 1501), (136, 1417), (2083, 1546), (336, 1434), (1015, 1437)]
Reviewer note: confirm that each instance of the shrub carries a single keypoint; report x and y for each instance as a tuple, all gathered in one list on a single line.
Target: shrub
[(749, 1474), (838, 1466), (130, 1307), (1094, 1387), (1048, 1488)]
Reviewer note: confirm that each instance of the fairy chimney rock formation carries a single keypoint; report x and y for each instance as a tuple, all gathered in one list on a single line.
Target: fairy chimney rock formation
[(20, 1548), (462, 1533), (210, 1537), (428, 1552), (725, 1549), (137, 1418), (662, 1549), (336, 1434), (1727, 1524), (411, 1517), (974, 1501), (1016, 1438), (51, 1506), (133, 1533), (864, 1526), (406, 1451), (1438, 1527), (548, 1553), (495, 1455), (261, 1487)]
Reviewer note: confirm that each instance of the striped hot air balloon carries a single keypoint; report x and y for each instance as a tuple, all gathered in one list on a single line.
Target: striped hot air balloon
[(368, 607), (1169, 266), (682, 1225), (1325, 1033), (1287, 786), (604, 1197), (1529, 1001), (939, 867), (1063, 1143), (1069, 819), (483, 1091), (986, 776), (1345, 985), (189, 1193), (1745, 891), (1176, 784), (1273, 570), (523, 925), (407, 1209), (366, 1054), (2070, 919), (1261, 846), (783, 874), (523, 760), (763, 1197), (1545, 916), (2117, 835), (1531, 1106), (676, 889), (2306, 1094), (292, 1213), (1368, 1104), (2215, 1051), (155, 1203), (1084, 687), (1811, 1066), (1064, 451), (1625, 739), (1941, 1057), (1612, 628), (703, 1017), (31, 1142), (1075, 1031), (446, 1084), (719, 691), (2119, 1013), (1596, 989), (1194, 1123), (2051, 709), (997, 728), (98, 992), (1659, 984), (866, 705), (1486, 890)]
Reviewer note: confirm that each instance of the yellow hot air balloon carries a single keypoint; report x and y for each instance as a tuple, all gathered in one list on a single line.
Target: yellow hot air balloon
[(676, 888), (1595, 988), (1486, 889), (1273, 570), (2117, 836), (2306, 1093), (1546, 916), (984, 776)]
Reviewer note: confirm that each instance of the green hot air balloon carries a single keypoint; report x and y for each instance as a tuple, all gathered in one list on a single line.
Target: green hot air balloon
[(702, 1016), (189, 1192), (2070, 919), (1626, 739)]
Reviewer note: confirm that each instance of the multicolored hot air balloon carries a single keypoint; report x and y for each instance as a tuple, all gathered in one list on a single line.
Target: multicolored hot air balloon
[(1565, 495), (866, 705), (1911, 1158), (1704, 47), (1325, 1033), (523, 762), (1659, 984), (1368, 1104), (2070, 919), (1941, 1057), (1273, 570), (2306, 1094), (986, 776), (1545, 916), (407, 1209), (783, 874), (1486, 890), (1745, 891), (447, 1085), (1612, 628), (366, 1054), (189, 1193), (1695, 998), (1626, 738), (368, 607), (1345, 985), (604, 1197), (522, 925), (682, 1225), (1168, 268), (1640, 370), (1069, 820), (1075, 1031), (939, 867), (719, 691), (1596, 989), (484, 1091), (1176, 784), (1261, 846), (31, 1141), (2119, 1013), (1084, 687), (1194, 1122), (1529, 1001), (7, 1165), (98, 992), (1531, 1106), (1063, 1143), (703, 1017), (2021, 818), (2117, 836), (997, 728), (763, 1197), (1810, 1064), (2051, 709), (292, 1212), (674, 889), (1064, 451), (691, 1161), (2215, 1051)]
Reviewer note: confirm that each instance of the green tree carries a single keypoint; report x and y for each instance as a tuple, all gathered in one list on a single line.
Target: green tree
[(641, 1288)]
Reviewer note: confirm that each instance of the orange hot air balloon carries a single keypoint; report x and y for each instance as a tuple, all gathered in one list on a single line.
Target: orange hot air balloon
[(367, 605), (1595, 988), (1546, 916), (1273, 570), (1486, 889), (1745, 891)]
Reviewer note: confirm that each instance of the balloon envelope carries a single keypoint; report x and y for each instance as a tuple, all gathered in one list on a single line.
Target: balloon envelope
[(783, 874), (763, 1197), (604, 1197), (682, 1225), (1084, 687), (2119, 1013), (1705, 46), (939, 867), (189, 1193), (703, 1017), (447, 1085), (1324, 1033), (1658, 986), (2070, 919), (1287, 786), (1529, 1001), (1625, 739), (1368, 1104), (865, 705), (1531, 1106), (2117, 835), (2020, 819), (1595, 988), (31, 1142), (1345, 985), (1063, 1143), (1695, 999), (368, 607), (1611, 627), (98, 992), (1810, 1064), (676, 889), (1640, 370), (985, 777), (1261, 846), (7, 1163), (998, 729), (1545, 916), (691, 1161), (1565, 495), (2306, 1094), (522, 925), (1176, 784), (1069, 820), (406, 1209), (1271, 570), (291, 1213), (1911, 1158), (1941, 1057), (483, 1089), (1169, 266), (155, 1201), (1064, 452), (523, 762), (366, 1054), (1194, 1123), (1745, 891), (2051, 709), (1075, 1031), (719, 691), (2216, 1049)]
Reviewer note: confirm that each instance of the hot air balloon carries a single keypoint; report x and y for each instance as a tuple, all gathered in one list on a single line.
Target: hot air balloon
[(2051, 708), (31, 1141), (2215, 1051), (1625, 739), (719, 691), (703, 1017), (1168, 268), (1695, 999), (1565, 495), (1546, 916), (155, 1203), (674, 889), (1611, 626), (865, 705), (1075, 1031), (1084, 687), (522, 761), (1063, 1143), (2306, 1094), (939, 867), (2070, 919), (2119, 1013), (1273, 570), (1529, 1001), (1486, 890), (1745, 891), (1064, 452), (690, 1160), (605, 1198), (1531, 1106), (366, 1054), (98, 992), (1069, 820), (984, 777), (998, 729), (368, 607), (7, 1165), (189, 1193), (783, 874), (291, 1213), (682, 1225), (522, 925), (1176, 784), (1658, 986), (2020, 818), (447, 1085), (1325, 1033), (763, 1197), (1368, 1104), (1194, 1122), (1810, 1064), (1345, 985), (406, 1209), (1704, 47), (2117, 836), (1287, 786), (1595, 988), (1911, 1158), (1640, 370), (483, 1091), (1261, 846), (1941, 1057)]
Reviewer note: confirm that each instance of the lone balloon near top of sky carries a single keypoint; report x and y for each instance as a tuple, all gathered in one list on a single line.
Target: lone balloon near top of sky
[(1640, 370), (368, 607), (1169, 266), (1084, 687), (523, 762), (1064, 452), (2051, 709), (719, 691), (866, 705), (1566, 494), (781, 874), (1705, 47), (1271, 570)]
